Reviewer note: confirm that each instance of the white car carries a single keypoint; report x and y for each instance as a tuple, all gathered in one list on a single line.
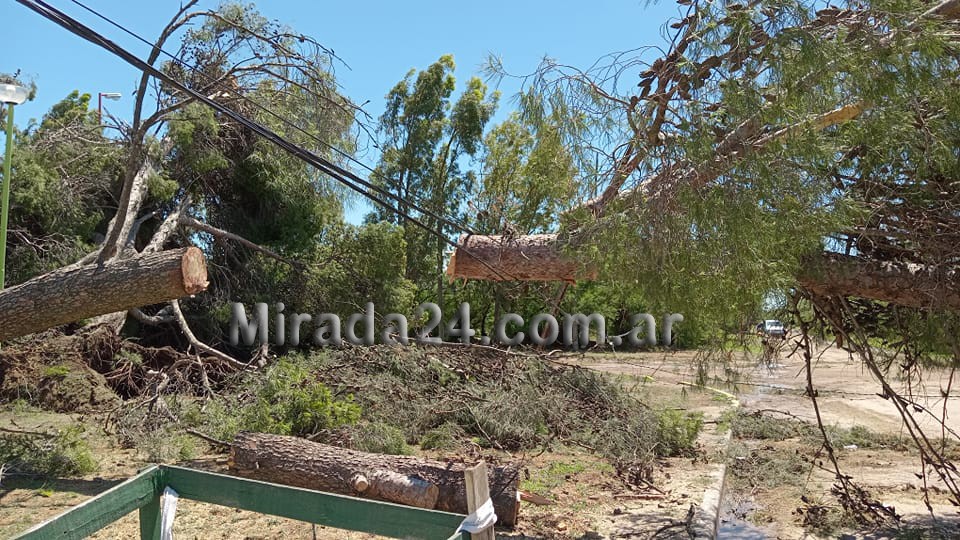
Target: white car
[(772, 328)]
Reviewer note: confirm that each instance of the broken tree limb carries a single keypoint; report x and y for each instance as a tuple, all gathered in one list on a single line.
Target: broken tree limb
[(64, 296), (745, 139), (402, 479), (533, 257), (198, 345), (537, 257)]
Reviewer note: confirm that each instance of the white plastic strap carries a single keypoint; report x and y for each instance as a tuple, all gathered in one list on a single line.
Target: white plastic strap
[(480, 519), (168, 507)]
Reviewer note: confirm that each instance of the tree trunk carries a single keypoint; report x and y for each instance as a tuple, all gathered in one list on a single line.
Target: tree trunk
[(533, 257), (401, 479), (905, 284), (68, 295), (537, 257)]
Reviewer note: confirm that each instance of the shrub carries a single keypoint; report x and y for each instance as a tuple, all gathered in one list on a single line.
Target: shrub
[(444, 437), (677, 432), (287, 399), (290, 402)]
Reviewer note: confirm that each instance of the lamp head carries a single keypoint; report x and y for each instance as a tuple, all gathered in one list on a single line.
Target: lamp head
[(13, 94)]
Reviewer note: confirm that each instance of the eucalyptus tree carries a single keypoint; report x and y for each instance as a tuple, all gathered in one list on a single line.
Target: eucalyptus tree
[(426, 138)]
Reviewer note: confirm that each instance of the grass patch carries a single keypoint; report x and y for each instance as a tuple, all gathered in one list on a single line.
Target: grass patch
[(58, 371), (543, 481), (765, 427), (62, 454)]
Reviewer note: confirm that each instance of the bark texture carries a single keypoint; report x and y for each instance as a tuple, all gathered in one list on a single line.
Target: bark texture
[(76, 293), (901, 283), (534, 257), (402, 479)]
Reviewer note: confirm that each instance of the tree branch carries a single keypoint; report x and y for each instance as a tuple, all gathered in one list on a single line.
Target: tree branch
[(199, 345), (188, 221)]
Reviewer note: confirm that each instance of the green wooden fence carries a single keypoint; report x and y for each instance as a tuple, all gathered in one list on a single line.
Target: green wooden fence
[(142, 492)]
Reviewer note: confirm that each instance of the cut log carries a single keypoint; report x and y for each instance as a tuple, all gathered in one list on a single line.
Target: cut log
[(71, 294), (402, 479), (533, 257), (901, 283), (905, 284)]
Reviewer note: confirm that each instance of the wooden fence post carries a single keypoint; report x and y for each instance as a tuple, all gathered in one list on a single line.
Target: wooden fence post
[(150, 519), (478, 491)]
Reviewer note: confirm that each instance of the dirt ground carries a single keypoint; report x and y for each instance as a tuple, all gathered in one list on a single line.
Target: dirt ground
[(589, 501)]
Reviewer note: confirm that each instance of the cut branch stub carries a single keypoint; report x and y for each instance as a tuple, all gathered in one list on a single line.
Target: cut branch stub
[(534, 257), (71, 294)]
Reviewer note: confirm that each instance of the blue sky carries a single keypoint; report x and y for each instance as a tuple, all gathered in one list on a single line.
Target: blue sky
[(380, 41)]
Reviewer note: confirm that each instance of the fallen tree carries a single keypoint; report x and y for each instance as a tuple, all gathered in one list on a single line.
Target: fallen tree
[(539, 257), (910, 222), (76, 293), (401, 479)]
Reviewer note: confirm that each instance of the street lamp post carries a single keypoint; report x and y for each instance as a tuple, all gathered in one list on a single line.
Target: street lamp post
[(11, 94), (109, 95)]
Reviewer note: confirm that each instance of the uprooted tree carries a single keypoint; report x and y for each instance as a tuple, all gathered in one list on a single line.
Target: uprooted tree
[(180, 174), (793, 147)]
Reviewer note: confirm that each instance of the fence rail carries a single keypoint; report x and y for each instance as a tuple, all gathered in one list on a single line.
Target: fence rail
[(142, 492)]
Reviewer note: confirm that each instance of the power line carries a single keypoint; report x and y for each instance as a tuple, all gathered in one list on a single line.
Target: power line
[(454, 224), (334, 171)]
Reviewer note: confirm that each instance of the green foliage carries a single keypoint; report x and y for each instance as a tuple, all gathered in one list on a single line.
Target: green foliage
[(290, 402), (62, 174), (128, 357), (678, 432), (166, 445), (365, 261), (765, 427), (287, 399), (161, 188), (238, 181), (377, 437), (443, 437), (194, 130), (727, 231), (558, 473), (441, 399), (56, 372), (63, 454), (528, 177)]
